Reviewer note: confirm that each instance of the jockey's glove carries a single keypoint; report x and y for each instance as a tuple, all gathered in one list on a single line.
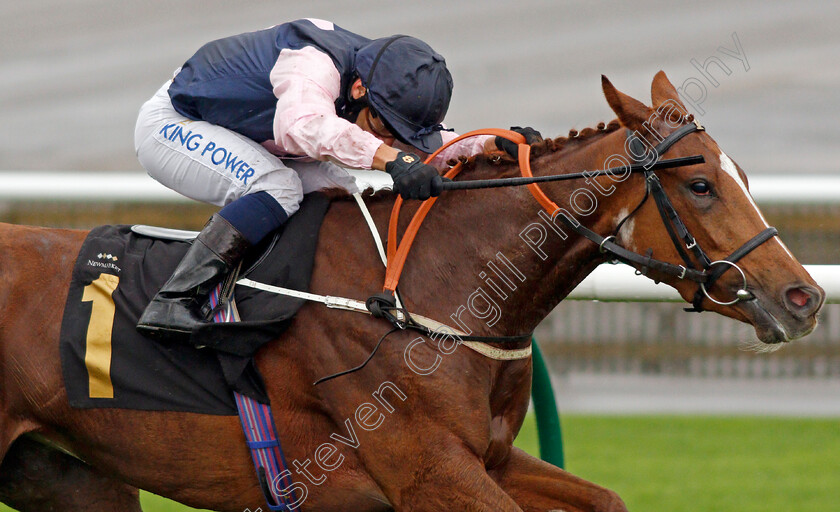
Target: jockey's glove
[(413, 179), (511, 148)]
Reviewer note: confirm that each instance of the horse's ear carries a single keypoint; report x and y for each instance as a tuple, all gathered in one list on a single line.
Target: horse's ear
[(631, 112), (662, 90)]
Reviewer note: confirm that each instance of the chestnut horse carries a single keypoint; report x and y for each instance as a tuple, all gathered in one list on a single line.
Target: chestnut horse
[(424, 426)]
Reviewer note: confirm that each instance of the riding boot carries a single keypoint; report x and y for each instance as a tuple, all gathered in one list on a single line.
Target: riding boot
[(176, 309)]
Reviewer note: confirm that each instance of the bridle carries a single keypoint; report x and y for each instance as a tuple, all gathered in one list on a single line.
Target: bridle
[(700, 269)]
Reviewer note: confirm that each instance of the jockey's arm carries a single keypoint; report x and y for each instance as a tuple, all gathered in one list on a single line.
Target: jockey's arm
[(306, 84)]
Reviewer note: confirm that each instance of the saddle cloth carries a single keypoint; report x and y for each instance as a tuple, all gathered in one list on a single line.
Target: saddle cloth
[(107, 363)]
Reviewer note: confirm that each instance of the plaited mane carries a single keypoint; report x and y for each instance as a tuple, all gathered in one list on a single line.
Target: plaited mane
[(483, 164), (573, 140)]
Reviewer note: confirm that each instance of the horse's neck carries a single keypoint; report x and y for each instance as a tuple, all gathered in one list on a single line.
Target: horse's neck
[(471, 260)]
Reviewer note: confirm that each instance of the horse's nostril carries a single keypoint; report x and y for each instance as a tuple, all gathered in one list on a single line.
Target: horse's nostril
[(803, 301), (798, 297)]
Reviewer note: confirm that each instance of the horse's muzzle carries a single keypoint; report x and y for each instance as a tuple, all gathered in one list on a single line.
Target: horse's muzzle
[(789, 317)]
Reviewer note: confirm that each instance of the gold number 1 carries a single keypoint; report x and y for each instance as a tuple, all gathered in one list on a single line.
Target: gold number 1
[(98, 347)]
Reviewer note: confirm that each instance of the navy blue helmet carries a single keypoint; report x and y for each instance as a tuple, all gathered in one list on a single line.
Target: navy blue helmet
[(409, 85)]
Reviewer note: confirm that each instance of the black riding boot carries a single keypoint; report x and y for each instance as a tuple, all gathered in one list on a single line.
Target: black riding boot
[(175, 310)]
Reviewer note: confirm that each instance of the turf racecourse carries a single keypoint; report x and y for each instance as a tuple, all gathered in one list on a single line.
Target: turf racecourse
[(692, 463)]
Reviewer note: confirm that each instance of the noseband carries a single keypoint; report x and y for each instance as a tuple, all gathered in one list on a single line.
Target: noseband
[(700, 269)]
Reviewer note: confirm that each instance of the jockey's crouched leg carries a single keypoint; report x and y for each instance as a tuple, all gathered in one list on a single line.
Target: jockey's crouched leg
[(176, 309)]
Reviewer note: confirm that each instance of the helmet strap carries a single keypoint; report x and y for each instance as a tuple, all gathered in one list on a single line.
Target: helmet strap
[(352, 106), (379, 55)]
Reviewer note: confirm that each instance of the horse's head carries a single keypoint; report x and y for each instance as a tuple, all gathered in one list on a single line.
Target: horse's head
[(702, 217)]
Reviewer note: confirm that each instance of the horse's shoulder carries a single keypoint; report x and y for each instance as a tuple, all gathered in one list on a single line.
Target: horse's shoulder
[(25, 242)]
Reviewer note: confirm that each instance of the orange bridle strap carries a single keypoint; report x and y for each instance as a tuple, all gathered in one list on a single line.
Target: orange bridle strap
[(397, 253), (525, 168)]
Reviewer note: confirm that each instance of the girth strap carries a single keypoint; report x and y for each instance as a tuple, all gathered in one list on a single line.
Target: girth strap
[(259, 428)]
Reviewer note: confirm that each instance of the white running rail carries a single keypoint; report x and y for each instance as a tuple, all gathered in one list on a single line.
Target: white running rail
[(609, 283)]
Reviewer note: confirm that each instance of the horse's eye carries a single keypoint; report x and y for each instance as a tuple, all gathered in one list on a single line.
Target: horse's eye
[(700, 188)]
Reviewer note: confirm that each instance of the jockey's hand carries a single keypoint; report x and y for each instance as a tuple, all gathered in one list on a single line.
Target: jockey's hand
[(511, 148), (412, 178)]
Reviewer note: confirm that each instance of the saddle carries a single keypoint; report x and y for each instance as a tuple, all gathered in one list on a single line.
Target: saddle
[(107, 363)]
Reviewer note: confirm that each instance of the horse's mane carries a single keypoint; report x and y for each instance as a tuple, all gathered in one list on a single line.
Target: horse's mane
[(576, 139), (499, 165)]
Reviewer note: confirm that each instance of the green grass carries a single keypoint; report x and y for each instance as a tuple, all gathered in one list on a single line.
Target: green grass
[(689, 463), (154, 503)]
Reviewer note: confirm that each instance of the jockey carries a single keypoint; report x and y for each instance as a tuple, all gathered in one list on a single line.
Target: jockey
[(253, 122)]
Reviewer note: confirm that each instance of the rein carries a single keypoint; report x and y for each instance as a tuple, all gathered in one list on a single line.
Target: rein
[(706, 272), (398, 250), (518, 182)]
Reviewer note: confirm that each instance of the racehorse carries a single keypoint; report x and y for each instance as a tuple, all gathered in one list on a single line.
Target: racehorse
[(428, 424)]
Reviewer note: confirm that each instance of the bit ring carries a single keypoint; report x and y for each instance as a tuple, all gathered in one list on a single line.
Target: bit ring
[(741, 294)]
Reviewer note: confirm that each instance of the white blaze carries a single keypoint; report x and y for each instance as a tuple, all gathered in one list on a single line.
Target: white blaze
[(728, 166)]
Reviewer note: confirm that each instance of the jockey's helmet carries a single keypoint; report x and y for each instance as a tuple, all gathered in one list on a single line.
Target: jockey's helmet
[(409, 85)]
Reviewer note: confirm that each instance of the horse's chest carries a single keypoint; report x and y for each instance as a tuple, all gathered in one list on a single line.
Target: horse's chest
[(508, 405), (501, 439)]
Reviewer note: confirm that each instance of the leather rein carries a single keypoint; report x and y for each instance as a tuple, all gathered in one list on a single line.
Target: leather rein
[(700, 269)]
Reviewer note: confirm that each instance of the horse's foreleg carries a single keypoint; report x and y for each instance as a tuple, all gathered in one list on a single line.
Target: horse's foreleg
[(34, 477), (538, 486), (453, 479)]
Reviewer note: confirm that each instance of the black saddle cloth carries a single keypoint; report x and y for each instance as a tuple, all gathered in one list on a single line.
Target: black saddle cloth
[(146, 374)]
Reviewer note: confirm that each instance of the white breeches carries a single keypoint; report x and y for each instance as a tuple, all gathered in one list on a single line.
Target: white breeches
[(215, 165)]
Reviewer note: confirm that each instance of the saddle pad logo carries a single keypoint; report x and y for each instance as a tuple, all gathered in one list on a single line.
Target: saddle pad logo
[(105, 261)]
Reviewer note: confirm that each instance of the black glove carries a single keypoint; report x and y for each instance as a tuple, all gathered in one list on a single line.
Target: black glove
[(511, 148), (413, 179)]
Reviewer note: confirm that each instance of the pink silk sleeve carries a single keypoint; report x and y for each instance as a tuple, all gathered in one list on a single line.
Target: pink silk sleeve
[(306, 84), (467, 147)]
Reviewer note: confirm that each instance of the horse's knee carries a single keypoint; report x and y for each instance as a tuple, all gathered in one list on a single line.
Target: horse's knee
[(609, 501)]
